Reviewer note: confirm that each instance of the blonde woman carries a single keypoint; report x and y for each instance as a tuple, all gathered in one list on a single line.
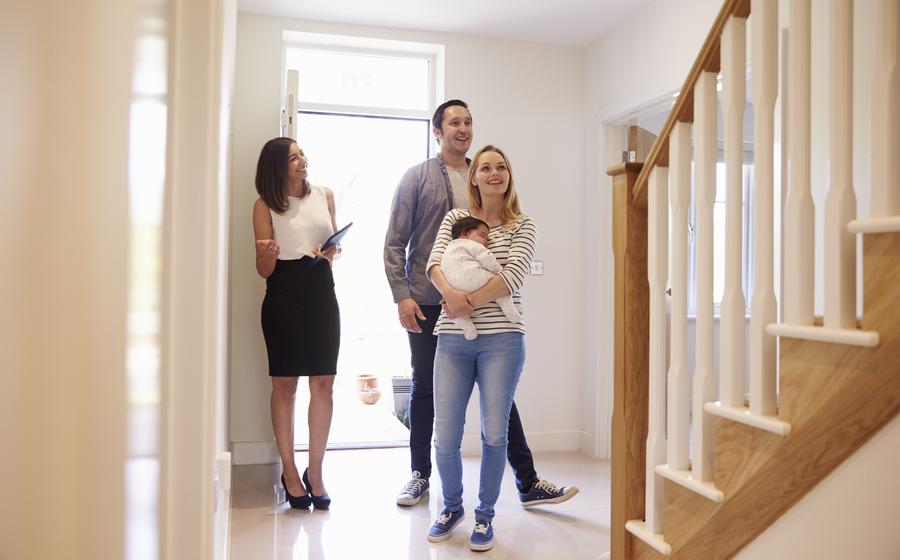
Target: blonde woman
[(494, 359)]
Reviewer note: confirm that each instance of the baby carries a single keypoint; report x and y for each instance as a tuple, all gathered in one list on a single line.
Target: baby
[(468, 265)]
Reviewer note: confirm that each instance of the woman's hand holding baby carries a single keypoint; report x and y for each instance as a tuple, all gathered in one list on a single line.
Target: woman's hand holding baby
[(456, 303)]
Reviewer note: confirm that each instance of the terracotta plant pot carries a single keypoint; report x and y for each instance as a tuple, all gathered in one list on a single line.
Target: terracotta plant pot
[(369, 395), (364, 381)]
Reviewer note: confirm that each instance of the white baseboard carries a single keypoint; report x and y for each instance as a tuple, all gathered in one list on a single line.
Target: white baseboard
[(264, 452), (593, 448), (538, 442), (588, 445), (221, 523), (254, 453)]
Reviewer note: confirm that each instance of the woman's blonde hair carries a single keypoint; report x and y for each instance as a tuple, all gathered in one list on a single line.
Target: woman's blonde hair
[(509, 208)]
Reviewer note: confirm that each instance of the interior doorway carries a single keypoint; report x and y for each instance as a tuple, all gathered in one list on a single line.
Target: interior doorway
[(363, 109)]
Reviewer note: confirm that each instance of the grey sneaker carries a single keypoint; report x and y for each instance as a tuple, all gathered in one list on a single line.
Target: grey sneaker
[(444, 525), (545, 492), (414, 490)]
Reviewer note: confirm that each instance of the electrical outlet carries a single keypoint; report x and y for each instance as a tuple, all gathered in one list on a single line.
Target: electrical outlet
[(537, 268)]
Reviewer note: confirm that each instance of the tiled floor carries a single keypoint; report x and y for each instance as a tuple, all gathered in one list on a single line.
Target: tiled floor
[(365, 523)]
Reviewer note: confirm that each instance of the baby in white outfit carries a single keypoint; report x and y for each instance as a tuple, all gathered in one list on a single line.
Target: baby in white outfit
[(468, 265)]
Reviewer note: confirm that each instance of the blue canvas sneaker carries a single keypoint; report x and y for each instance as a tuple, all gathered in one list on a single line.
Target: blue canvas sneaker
[(482, 536), (444, 525), (544, 492), (414, 490)]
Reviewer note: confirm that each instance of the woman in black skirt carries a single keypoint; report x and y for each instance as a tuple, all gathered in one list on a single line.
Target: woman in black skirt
[(300, 316)]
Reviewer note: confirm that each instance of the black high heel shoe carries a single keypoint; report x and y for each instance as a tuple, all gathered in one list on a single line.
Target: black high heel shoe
[(296, 502), (318, 502)]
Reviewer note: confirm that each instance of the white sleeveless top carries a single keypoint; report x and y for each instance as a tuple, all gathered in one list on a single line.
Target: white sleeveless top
[(303, 226)]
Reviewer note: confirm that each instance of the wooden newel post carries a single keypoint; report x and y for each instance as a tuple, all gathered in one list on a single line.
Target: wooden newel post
[(632, 355)]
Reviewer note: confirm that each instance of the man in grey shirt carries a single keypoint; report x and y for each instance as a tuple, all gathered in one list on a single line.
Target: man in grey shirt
[(425, 194)]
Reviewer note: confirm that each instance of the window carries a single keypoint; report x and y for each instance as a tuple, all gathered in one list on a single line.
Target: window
[(652, 117), (719, 239), (362, 79), (366, 76)]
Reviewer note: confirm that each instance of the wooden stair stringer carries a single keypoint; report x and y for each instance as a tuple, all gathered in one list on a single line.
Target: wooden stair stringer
[(836, 398)]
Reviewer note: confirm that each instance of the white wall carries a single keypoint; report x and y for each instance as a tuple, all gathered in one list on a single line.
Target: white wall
[(194, 284), (64, 277), (644, 58), (525, 98), (847, 515), (73, 255), (226, 96)]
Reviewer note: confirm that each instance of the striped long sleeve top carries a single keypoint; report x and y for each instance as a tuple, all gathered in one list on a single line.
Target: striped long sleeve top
[(513, 245)]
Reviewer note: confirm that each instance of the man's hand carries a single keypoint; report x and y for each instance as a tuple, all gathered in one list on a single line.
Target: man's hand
[(409, 310)]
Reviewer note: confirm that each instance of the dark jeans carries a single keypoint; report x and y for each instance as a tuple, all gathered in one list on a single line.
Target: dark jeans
[(421, 409)]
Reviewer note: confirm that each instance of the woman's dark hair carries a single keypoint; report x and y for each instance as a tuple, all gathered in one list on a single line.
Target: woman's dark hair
[(271, 173), (437, 120), (466, 224)]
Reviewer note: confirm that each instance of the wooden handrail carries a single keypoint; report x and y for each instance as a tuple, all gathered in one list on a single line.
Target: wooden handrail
[(709, 60)]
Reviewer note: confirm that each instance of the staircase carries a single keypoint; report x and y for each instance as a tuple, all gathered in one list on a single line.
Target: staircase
[(702, 461)]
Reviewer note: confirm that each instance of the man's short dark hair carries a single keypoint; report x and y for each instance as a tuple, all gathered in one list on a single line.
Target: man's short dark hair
[(466, 224), (437, 120)]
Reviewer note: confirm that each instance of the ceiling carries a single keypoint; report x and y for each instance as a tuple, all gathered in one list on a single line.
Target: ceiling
[(555, 22)]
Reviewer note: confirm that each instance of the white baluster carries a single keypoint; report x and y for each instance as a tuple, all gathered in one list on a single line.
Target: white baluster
[(885, 194), (763, 396), (799, 246), (763, 306), (840, 203), (657, 273), (705, 148), (734, 87), (678, 389)]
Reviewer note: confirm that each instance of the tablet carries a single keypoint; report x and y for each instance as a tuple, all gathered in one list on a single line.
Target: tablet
[(336, 237)]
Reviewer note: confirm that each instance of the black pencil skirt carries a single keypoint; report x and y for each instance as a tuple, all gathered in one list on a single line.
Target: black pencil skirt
[(301, 321)]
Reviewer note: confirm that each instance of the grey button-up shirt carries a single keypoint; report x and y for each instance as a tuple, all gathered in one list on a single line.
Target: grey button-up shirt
[(423, 197)]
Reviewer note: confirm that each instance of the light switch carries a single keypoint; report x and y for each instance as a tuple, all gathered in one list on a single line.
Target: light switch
[(537, 268)]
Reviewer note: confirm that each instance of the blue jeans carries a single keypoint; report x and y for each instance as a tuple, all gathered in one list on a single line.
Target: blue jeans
[(422, 347), (494, 362)]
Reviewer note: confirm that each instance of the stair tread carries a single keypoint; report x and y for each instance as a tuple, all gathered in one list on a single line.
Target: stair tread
[(744, 415), (686, 478), (854, 337)]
